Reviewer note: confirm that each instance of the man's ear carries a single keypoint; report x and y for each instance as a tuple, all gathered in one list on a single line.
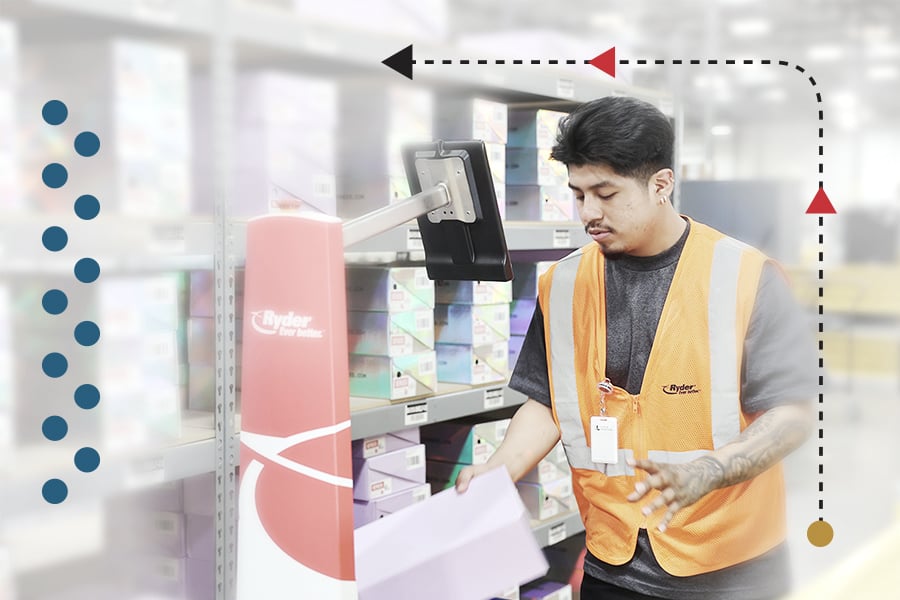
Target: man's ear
[(662, 183)]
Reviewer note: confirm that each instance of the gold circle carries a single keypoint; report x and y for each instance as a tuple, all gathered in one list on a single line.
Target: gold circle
[(820, 533)]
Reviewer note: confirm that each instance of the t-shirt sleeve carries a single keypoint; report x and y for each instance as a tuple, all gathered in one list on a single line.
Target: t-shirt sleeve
[(780, 359), (530, 375)]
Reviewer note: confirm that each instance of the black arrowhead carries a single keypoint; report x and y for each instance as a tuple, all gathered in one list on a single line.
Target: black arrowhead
[(402, 62)]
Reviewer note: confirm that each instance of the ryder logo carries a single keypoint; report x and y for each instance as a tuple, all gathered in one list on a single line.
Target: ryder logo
[(289, 324), (674, 389)]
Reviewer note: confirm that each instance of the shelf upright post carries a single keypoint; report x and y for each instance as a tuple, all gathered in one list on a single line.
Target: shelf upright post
[(222, 147)]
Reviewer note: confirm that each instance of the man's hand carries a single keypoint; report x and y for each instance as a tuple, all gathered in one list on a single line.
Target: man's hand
[(468, 473), (679, 485)]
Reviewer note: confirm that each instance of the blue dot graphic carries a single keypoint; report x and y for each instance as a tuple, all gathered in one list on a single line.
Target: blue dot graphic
[(87, 460), (87, 270), (87, 396), (55, 428), (55, 491), (55, 112), (87, 143), (87, 333), (55, 238), (55, 175), (55, 365), (87, 207), (55, 302)]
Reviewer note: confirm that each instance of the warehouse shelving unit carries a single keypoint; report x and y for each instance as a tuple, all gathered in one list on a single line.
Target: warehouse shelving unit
[(225, 34)]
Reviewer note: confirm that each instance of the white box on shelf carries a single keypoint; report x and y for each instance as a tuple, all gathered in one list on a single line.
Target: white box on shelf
[(532, 166), (471, 324), (468, 441), (471, 118), (393, 377), (366, 511), (388, 473), (472, 292), (535, 128), (545, 500), (540, 203), (553, 467), (390, 334), (389, 442), (393, 289), (474, 365)]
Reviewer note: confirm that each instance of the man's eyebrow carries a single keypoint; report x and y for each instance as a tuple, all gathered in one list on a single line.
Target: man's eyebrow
[(599, 184)]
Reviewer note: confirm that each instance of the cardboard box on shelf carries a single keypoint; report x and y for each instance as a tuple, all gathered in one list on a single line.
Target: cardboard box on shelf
[(389, 473), (367, 511), (535, 128), (475, 325), (545, 500), (466, 441), (393, 377), (471, 118), (475, 365), (540, 203), (389, 442), (472, 292), (392, 289), (532, 166), (390, 334)]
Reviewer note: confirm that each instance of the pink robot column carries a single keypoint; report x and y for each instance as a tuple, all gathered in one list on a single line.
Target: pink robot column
[(295, 528)]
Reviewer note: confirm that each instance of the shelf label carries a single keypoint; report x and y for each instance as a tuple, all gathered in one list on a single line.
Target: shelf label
[(557, 534), (414, 239), (168, 238), (415, 413), (144, 472), (565, 88), (493, 398), (562, 238)]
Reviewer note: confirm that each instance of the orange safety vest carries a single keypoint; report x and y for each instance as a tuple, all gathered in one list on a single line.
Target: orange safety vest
[(689, 404)]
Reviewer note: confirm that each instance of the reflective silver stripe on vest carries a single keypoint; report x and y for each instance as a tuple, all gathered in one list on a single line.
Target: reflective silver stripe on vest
[(619, 468), (562, 361), (675, 458), (724, 372)]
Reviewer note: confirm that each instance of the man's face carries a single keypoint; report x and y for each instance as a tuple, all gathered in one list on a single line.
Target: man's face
[(620, 213)]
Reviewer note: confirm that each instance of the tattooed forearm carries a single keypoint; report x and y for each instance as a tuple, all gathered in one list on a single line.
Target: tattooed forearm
[(766, 441)]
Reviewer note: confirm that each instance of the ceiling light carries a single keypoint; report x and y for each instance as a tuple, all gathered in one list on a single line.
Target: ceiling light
[(749, 27), (824, 52), (720, 130)]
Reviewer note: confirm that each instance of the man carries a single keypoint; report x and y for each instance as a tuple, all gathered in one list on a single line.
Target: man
[(673, 363)]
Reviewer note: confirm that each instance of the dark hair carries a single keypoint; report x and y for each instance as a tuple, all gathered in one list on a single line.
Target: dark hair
[(629, 135)]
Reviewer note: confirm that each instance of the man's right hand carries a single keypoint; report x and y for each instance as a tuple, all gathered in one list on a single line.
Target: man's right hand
[(468, 473)]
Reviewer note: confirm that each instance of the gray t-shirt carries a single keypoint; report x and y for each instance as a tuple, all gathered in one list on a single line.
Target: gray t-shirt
[(778, 368)]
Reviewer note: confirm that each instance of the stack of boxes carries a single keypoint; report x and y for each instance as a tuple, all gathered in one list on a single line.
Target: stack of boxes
[(140, 359), (537, 187), (478, 119), (388, 475), (165, 535), (390, 322), (524, 302), (546, 490), (10, 197), (376, 123), (285, 135), (201, 338), (135, 97), (472, 331), (452, 445)]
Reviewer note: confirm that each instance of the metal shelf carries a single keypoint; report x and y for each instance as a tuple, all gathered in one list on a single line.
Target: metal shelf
[(192, 16), (375, 417), (119, 472), (556, 529), (118, 244)]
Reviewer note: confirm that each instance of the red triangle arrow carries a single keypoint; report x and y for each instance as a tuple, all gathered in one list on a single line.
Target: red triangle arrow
[(606, 62), (821, 205)]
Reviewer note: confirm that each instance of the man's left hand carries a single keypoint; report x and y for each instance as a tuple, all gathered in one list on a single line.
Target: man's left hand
[(679, 485)]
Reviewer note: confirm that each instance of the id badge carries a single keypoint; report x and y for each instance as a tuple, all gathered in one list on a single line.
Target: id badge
[(604, 440)]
